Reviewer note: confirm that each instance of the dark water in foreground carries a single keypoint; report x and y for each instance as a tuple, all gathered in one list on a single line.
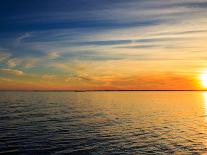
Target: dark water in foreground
[(93, 123)]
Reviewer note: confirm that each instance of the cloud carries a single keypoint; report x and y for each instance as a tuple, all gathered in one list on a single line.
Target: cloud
[(106, 42), (31, 62), (139, 46), (49, 77), (198, 5), (4, 56), (21, 38), (13, 62), (2, 79), (12, 72), (53, 55)]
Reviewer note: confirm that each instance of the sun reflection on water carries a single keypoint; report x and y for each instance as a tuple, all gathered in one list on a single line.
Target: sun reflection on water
[(205, 112), (205, 104)]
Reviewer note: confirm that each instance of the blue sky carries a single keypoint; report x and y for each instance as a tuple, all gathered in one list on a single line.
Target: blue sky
[(64, 39)]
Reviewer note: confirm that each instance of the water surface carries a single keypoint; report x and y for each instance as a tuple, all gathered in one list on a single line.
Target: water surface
[(103, 123)]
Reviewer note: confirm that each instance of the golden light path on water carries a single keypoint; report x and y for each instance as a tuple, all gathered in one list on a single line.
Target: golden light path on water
[(205, 108), (205, 104)]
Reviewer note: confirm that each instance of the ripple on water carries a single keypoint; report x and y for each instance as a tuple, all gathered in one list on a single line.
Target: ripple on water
[(102, 123)]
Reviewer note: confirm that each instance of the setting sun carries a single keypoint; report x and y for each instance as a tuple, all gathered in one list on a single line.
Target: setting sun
[(203, 79)]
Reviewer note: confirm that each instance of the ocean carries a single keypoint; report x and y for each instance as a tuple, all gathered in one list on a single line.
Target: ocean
[(103, 122)]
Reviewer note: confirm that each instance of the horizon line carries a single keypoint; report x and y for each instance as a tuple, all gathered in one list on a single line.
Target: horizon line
[(97, 90)]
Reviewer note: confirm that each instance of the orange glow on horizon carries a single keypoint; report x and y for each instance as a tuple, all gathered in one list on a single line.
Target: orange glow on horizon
[(149, 81)]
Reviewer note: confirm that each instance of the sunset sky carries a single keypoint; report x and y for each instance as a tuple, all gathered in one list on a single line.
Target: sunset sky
[(102, 44)]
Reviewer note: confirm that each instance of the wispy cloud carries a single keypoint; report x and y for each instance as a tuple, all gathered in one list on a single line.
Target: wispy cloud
[(19, 40), (2, 79), (49, 77), (53, 55), (4, 56), (13, 62), (12, 72)]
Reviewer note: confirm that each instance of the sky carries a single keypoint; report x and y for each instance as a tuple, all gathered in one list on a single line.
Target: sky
[(102, 45)]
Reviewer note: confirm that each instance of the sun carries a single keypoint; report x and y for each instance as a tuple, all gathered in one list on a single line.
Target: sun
[(203, 79)]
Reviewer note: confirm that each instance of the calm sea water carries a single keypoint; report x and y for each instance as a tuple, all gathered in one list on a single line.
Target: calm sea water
[(93, 123)]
